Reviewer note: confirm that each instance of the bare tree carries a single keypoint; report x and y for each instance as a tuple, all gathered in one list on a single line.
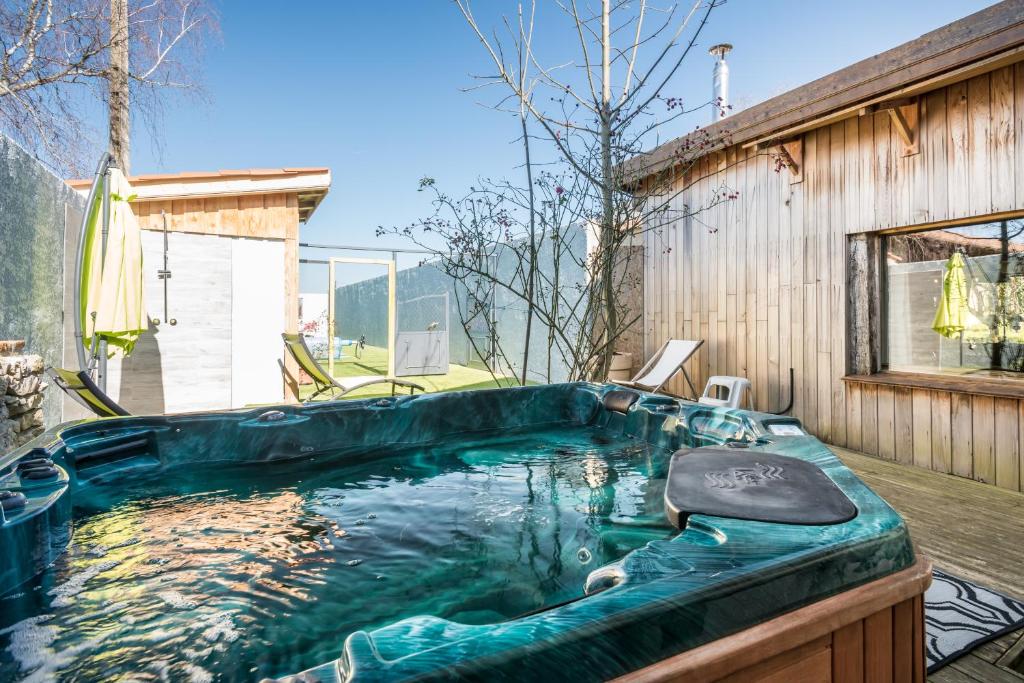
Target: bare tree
[(591, 119), (59, 56)]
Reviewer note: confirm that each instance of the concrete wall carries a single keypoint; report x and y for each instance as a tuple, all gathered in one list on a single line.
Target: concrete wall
[(39, 215), (227, 296)]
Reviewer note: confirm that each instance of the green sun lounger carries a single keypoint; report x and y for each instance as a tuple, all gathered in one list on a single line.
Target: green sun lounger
[(296, 345), (79, 386)]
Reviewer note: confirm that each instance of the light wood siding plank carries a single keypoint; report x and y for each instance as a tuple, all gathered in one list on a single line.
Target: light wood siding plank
[(942, 442), (904, 406), (1018, 134), (887, 422), (1002, 143), (810, 388), (869, 419), (922, 427), (958, 150), (758, 295), (935, 144), (917, 172), (1020, 444), (962, 435), (796, 291), (979, 145), (983, 429), (883, 187), (867, 175), (818, 283), (853, 416), (836, 293), (1007, 460), (809, 226)]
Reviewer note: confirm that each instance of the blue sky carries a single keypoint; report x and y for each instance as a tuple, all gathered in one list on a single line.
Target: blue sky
[(373, 90)]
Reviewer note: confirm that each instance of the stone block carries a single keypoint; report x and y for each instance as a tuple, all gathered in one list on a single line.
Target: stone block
[(29, 384), (21, 405), (13, 367)]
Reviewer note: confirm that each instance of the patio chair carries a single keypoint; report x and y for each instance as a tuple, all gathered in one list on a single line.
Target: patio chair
[(79, 386), (664, 365), (296, 345)]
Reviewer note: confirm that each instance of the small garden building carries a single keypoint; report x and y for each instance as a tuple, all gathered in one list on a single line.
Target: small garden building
[(230, 242)]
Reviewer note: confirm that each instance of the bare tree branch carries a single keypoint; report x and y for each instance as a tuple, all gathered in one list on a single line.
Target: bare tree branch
[(55, 56)]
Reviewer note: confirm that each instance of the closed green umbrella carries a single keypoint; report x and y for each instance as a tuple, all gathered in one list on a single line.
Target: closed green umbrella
[(112, 303), (952, 316)]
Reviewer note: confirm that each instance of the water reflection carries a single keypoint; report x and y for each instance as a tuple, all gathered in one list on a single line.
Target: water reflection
[(253, 572)]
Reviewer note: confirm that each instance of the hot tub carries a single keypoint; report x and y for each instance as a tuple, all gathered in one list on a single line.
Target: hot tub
[(525, 533)]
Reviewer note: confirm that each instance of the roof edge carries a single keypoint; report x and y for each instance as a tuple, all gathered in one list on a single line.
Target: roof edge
[(974, 38)]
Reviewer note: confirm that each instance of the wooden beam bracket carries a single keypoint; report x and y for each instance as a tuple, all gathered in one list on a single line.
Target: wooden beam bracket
[(791, 154), (906, 116), (906, 122)]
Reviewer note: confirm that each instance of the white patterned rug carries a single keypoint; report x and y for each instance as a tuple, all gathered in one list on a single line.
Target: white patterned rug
[(959, 616)]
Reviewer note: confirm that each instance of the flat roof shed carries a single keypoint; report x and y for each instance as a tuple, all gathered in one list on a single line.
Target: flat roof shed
[(232, 248)]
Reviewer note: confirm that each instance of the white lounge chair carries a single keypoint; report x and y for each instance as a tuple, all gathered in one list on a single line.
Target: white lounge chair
[(664, 365)]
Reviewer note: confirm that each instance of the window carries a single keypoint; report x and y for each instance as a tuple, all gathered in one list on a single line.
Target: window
[(954, 300)]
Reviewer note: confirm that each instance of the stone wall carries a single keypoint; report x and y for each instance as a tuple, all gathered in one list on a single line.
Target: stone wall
[(21, 390)]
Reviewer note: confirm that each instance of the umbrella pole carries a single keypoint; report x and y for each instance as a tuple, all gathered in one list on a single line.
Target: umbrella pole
[(101, 369)]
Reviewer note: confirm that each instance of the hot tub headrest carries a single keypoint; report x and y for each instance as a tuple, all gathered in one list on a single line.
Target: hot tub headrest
[(752, 485), (620, 400)]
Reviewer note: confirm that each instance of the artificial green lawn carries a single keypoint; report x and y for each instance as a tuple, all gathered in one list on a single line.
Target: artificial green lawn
[(374, 361)]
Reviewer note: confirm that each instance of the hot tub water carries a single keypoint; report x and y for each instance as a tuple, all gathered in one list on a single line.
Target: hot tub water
[(262, 570)]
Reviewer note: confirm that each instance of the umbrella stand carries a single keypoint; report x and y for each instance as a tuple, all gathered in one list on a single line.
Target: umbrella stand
[(93, 358)]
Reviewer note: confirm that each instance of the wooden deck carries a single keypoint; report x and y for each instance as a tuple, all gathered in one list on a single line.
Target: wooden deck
[(972, 530)]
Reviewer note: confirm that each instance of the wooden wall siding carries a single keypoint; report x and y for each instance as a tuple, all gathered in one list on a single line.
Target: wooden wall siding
[(269, 216), (969, 435), (762, 278)]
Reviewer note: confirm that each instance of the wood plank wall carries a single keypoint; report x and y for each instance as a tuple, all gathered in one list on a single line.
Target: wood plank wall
[(970, 435), (762, 278), (267, 216)]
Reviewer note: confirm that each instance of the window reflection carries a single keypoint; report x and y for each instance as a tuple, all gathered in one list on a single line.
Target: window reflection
[(954, 300)]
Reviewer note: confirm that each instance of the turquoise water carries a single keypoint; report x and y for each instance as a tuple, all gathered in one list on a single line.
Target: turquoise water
[(244, 572)]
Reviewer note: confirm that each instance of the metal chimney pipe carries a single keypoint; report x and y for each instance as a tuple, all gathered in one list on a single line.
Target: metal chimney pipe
[(720, 82)]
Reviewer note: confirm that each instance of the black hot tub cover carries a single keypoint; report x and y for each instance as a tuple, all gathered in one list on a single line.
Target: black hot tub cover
[(752, 485)]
